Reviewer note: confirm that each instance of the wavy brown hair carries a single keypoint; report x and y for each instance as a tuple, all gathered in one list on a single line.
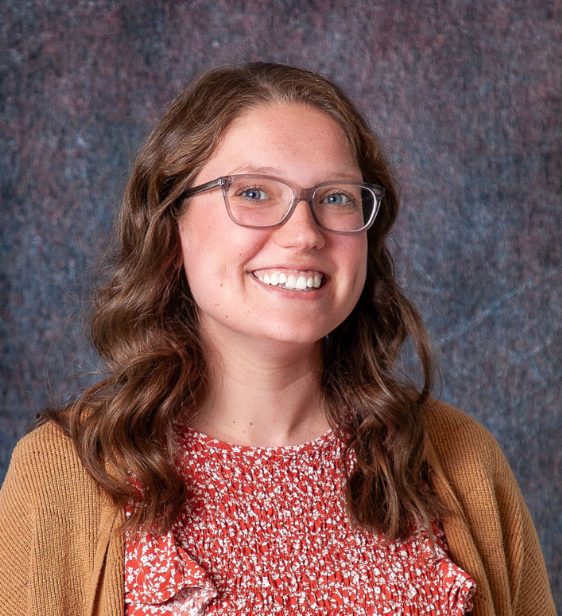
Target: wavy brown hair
[(145, 324)]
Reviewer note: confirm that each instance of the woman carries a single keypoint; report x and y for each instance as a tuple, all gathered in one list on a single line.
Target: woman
[(254, 449)]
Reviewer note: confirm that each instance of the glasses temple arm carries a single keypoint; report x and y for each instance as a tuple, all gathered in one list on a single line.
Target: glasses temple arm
[(190, 192)]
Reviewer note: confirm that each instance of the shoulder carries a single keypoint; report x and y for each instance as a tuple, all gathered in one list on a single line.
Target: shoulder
[(45, 450), (463, 453), (447, 422), (46, 466), (457, 437), (48, 439), (462, 445)]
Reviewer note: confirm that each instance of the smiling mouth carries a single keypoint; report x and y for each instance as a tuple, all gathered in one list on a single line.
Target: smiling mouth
[(296, 281)]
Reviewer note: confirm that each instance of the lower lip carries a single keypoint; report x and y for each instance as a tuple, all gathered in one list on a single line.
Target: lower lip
[(292, 293)]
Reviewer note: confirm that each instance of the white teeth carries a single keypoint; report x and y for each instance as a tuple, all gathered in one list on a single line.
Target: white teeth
[(301, 283), (291, 282), (298, 282)]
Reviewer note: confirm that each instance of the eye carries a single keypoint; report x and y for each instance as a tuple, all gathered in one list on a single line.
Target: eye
[(253, 194), (339, 199), (335, 199)]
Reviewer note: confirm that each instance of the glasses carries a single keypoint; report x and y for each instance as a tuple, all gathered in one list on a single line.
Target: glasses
[(262, 202)]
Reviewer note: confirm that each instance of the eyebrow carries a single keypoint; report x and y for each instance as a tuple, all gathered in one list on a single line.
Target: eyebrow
[(340, 175)]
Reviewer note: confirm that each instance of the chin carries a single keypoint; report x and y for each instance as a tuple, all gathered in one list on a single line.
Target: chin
[(302, 337)]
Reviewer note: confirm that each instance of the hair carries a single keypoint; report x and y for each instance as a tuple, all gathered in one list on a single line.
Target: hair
[(145, 324)]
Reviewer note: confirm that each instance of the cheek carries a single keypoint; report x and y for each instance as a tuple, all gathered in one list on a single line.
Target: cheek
[(213, 254), (203, 279), (194, 258), (356, 265), (353, 252)]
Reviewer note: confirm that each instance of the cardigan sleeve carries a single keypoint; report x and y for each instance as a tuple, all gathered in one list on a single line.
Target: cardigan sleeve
[(490, 531), (530, 589), (16, 533)]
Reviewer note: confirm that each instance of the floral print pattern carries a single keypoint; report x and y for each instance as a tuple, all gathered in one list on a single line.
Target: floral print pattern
[(266, 532)]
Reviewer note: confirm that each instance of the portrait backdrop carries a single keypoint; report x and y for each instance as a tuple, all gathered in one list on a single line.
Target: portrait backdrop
[(464, 95)]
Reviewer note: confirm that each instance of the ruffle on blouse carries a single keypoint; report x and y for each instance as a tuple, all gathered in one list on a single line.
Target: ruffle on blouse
[(459, 588), (456, 586), (165, 575)]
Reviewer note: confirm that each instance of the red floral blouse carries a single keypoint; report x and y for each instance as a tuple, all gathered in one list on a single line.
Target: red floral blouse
[(266, 532)]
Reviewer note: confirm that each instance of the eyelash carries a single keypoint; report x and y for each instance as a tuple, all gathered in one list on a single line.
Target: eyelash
[(247, 188)]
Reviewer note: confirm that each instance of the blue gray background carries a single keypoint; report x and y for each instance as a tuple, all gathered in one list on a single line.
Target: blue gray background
[(465, 96)]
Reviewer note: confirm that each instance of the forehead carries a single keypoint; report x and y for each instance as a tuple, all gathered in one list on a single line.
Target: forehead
[(284, 138)]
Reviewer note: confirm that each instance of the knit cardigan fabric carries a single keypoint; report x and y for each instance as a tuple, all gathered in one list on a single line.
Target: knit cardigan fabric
[(61, 552)]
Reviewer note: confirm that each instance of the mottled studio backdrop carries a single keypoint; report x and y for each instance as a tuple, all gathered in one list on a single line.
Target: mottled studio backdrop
[(466, 97)]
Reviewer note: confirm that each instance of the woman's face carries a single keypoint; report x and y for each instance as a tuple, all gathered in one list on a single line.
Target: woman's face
[(227, 265)]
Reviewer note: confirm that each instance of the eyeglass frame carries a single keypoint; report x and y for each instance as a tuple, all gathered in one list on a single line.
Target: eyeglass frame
[(302, 194)]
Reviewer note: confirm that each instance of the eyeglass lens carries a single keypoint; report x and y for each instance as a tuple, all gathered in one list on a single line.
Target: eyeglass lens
[(263, 202)]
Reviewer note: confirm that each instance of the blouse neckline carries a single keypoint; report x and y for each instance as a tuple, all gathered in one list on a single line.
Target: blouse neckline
[(195, 438)]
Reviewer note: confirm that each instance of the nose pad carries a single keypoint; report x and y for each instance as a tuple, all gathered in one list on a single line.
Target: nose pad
[(305, 209), (301, 227)]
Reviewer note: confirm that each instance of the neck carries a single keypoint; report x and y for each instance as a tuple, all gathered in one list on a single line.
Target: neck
[(263, 394)]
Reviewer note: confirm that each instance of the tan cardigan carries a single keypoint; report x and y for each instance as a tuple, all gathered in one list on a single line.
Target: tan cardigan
[(60, 554)]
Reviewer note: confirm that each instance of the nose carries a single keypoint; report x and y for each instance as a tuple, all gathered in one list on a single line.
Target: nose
[(301, 230)]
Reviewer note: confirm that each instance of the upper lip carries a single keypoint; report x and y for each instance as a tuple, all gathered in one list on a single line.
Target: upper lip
[(293, 267)]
